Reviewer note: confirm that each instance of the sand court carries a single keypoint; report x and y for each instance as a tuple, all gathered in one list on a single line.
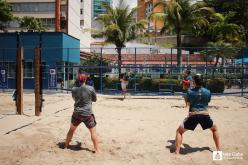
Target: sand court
[(137, 130)]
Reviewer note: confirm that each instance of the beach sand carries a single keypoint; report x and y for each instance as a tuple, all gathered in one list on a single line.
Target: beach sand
[(137, 131)]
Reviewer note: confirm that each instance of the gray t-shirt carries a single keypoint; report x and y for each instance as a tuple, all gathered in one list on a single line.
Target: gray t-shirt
[(83, 97)]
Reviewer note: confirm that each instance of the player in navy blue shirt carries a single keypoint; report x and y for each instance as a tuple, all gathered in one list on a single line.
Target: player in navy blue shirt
[(198, 99)]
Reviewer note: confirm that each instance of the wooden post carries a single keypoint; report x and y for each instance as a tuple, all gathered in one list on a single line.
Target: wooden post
[(37, 90), (19, 101)]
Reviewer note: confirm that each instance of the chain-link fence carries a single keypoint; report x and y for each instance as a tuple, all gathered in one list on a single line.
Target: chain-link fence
[(150, 69)]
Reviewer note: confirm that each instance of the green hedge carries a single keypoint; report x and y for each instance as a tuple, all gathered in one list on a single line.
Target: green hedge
[(109, 83), (227, 76), (216, 85)]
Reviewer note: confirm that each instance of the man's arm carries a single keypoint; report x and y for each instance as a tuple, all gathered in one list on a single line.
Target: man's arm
[(187, 98), (73, 93)]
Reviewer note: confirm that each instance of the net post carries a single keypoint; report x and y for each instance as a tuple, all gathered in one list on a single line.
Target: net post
[(242, 80), (37, 90), (19, 101), (101, 84), (135, 70), (68, 56)]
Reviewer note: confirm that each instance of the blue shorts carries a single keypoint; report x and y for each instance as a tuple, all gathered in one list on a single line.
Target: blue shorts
[(191, 122)]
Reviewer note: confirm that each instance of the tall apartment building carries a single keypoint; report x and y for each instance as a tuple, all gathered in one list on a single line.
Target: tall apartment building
[(75, 16), (96, 10), (85, 21), (97, 7), (145, 9)]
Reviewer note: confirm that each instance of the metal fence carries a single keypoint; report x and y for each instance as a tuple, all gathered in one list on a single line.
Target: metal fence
[(150, 69)]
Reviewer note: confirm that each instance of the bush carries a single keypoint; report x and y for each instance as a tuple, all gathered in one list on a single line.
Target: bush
[(177, 87), (169, 76), (108, 83), (216, 85), (233, 76), (145, 84), (153, 84)]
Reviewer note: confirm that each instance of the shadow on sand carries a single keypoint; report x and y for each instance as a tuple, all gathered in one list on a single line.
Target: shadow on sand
[(115, 98), (178, 106), (134, 98), (76, 147), (187, 148)]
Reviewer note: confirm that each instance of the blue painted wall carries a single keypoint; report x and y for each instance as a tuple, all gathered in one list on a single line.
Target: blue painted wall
[(29, 41), (52, 48), (8, 44), (55, 47), (71, 49)]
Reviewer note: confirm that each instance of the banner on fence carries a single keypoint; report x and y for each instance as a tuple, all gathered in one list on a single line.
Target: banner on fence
[(52, 81), (3, 77)]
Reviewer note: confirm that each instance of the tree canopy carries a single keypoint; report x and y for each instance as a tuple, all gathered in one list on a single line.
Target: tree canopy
[(31, 24), (182, 16), (5, 14), (221, 29), (239, 8), (95, 60)]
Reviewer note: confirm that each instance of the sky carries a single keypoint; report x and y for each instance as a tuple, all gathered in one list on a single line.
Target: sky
[(132, 3)]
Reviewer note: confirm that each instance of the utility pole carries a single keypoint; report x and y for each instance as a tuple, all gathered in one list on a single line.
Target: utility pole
[(57, 15)]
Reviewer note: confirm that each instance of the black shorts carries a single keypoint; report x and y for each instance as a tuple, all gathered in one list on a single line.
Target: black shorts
[(191, 122), (89, 121)]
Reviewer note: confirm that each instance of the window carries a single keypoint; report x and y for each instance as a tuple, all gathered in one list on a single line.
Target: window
[(81, 22), (149, 8), (48, 22), (60, 71), (81, 11), (12, 70), (14, 24), (33, 7), (44, 70), (11, 66), (28, 69)]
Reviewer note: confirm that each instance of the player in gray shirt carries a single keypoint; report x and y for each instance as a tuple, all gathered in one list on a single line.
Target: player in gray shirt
[(83, 96)]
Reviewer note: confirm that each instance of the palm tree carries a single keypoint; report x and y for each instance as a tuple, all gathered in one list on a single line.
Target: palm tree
[(180, 16), (119, 26), (221, 30), (220, 49)]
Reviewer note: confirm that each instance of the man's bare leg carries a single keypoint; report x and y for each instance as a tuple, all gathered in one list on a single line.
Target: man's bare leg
[(69, 135), (94, 139), (179, 138), (216, 137), (186, 104)]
